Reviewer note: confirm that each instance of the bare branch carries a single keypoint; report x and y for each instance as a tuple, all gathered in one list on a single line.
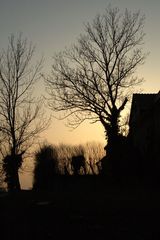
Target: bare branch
[(92, 79), (21, 118)]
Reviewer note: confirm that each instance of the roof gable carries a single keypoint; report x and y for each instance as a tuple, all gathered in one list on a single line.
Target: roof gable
[(142, 104)]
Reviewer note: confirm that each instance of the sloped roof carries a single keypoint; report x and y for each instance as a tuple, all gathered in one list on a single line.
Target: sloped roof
[(143, 102)]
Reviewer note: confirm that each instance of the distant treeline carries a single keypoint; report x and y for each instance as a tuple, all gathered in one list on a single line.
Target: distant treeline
[(63, 159)]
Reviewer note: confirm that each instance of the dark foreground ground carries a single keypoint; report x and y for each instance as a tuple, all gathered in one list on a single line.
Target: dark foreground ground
[(82, 211)]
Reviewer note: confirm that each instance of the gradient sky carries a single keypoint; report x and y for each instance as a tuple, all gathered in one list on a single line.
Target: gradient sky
[(54, 24)]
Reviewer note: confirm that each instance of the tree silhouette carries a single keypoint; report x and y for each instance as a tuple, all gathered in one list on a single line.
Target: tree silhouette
[(10, 167), (77, 163), (93, 78), (21, 118), (45, 168)]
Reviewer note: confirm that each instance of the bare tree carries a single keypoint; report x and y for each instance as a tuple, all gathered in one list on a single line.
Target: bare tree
[(21, 118), (93, 79)]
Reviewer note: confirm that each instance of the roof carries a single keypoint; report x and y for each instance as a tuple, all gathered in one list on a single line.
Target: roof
[(143, 103)]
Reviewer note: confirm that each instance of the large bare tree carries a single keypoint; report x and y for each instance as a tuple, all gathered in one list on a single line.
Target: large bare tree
[(21, 117), (92, 79)]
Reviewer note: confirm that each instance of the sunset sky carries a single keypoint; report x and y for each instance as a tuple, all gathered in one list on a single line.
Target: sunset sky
[(54, 24)]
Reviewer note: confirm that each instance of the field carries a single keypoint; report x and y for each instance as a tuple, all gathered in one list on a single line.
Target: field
[(82, 209)]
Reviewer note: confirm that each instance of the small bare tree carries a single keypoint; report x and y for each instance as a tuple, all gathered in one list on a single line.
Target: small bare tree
[(21, 118), (93, 79)]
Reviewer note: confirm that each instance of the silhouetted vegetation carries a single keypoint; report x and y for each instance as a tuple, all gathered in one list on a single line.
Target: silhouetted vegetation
[(21, 117), (45, 168), (97, 72), (65, 160), (91, 81), (121, 166), (11, 164), (77, 163)]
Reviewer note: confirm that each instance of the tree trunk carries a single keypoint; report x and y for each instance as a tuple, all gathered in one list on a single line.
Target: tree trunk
[(11, 165), (13, 183), (16, 180), (113, 145)]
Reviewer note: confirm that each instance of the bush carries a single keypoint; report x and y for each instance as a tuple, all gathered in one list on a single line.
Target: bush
[(45, 168)]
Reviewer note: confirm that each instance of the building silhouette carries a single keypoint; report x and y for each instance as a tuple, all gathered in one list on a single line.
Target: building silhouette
[(144, 131)]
